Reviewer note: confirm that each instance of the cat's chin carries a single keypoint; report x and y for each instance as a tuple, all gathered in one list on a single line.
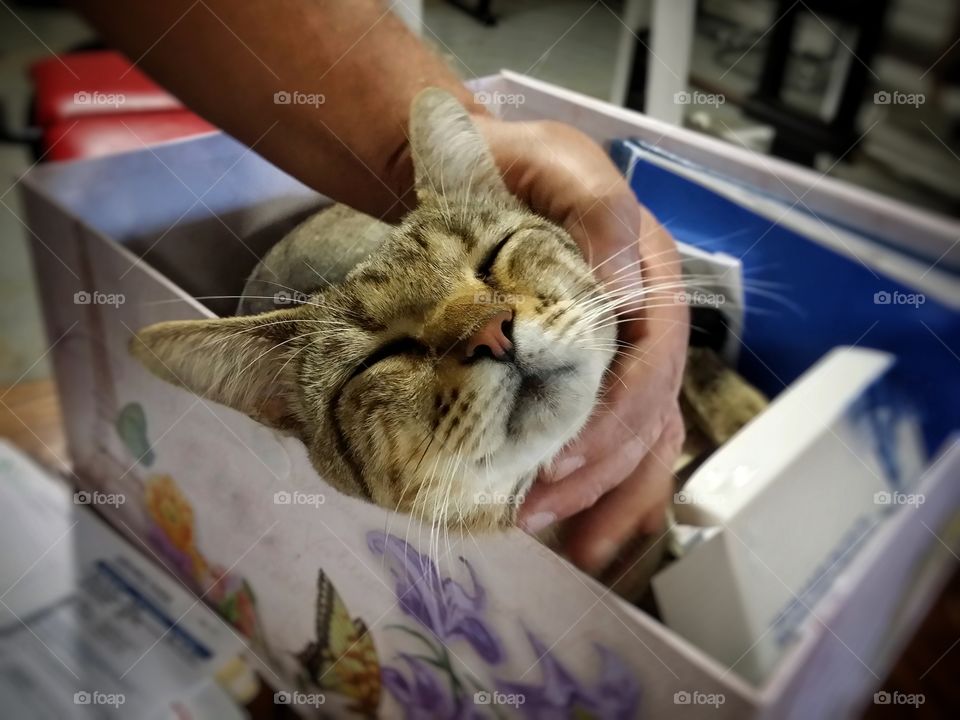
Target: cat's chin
[(549, 411)]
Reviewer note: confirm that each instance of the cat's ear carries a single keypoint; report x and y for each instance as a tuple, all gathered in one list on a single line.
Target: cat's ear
[(243, 362), (450, 156)]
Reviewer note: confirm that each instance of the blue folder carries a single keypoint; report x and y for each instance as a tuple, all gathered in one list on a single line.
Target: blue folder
[(825, 299)]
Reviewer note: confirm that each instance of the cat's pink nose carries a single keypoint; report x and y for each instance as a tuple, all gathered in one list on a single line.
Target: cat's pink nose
[(492, 339)]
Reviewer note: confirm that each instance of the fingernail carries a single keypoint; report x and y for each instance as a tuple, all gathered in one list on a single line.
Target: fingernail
[(566, 466), (538, 521)]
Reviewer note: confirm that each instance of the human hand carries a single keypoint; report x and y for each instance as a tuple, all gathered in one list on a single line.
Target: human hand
[(617, 476)]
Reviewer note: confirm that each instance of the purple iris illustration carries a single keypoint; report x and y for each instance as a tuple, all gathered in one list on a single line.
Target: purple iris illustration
[(615, 695), (424, 696), (430, 685), (440, 604)]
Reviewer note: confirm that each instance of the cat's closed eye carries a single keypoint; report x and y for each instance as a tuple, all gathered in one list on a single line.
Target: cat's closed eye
[(393, 348), (486, 267)]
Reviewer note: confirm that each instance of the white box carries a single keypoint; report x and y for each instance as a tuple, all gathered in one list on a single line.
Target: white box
[(186, 220), (789, 496)]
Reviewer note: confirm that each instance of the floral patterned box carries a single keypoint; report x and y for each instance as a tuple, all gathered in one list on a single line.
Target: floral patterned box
[(350, 610)]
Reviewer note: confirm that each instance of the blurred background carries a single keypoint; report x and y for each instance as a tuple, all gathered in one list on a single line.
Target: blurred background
[(864, 90)]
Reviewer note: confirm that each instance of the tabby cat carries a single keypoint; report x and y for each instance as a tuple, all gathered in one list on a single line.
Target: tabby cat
[(430, 367)]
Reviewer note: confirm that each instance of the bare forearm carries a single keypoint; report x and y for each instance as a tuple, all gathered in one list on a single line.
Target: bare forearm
[(227, 60)]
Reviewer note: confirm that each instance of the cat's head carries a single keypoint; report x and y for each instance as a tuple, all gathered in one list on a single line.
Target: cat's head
[(446, 369)]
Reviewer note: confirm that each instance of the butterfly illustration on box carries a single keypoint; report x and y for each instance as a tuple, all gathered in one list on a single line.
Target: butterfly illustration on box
[(343, 658)]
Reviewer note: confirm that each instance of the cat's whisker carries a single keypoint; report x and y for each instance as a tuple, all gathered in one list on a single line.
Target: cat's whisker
[(261, 326), (444, 512), (426, 437), (622, 319), (641, 286), (406, 485), (436, 483), (624, 312), (440, 508), (646, 259), (620, 350), (415, 506), (631, 267), (330, 295), (283, 367), (213, 297), (621, 300), (630, 300), (626, 291), (671, 323), (625, 248), (431, 484)]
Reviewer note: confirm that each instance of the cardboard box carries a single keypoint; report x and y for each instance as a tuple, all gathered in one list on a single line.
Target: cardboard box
[(125, 241)]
